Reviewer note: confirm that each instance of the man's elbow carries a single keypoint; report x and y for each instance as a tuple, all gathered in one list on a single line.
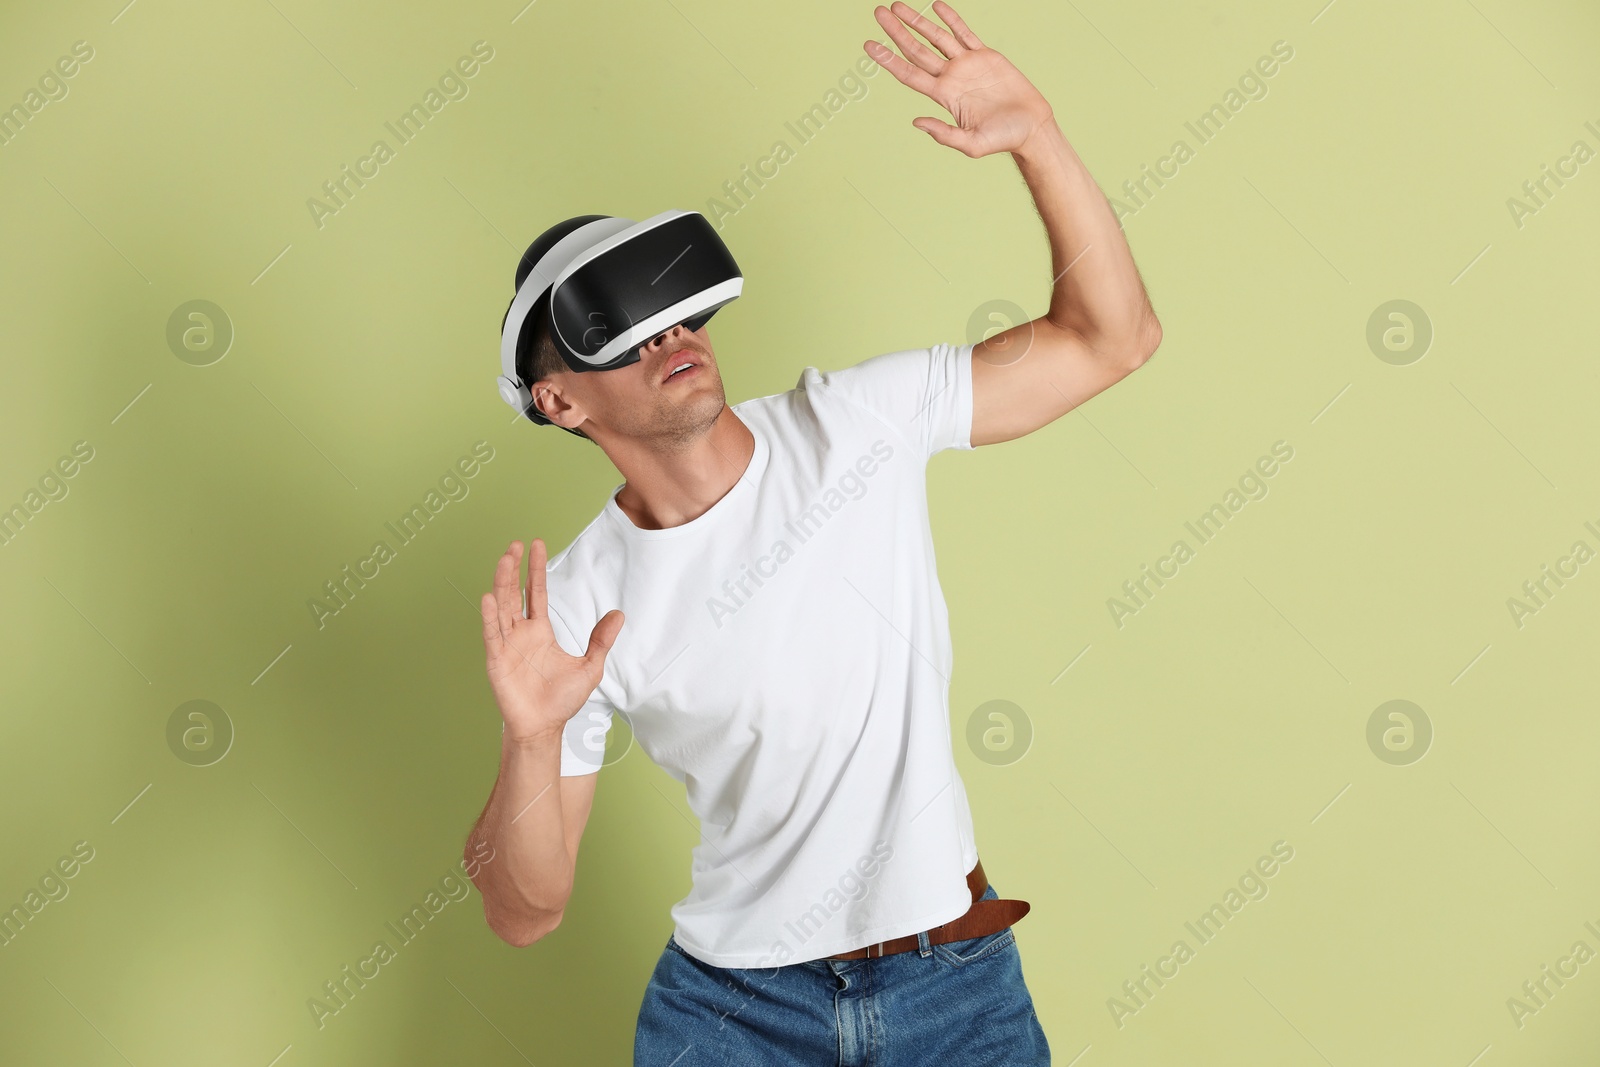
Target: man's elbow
[(520, 933), (1144, 340), (518, 921), (1127, 347)]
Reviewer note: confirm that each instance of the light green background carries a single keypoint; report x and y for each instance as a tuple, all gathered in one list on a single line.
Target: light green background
[(1225, 716)]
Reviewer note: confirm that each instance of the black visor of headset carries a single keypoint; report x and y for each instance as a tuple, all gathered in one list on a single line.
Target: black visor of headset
[(613, 285)]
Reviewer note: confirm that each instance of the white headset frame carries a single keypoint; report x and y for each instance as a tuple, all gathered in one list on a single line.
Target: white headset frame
[(564, 259)]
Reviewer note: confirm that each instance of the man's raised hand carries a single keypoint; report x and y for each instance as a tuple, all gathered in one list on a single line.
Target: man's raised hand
[(537, 685), (996, 109)]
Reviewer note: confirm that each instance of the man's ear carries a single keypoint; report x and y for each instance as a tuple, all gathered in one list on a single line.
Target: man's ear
[(550, 403)]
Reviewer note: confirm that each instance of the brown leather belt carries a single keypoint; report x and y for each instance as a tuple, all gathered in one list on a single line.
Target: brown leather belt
[(982, 918)]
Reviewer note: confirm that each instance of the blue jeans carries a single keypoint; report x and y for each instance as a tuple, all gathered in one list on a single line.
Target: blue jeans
[(962, 1002)]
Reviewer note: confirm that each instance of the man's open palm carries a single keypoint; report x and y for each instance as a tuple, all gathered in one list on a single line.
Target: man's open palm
[(996, 109), (537, 684)]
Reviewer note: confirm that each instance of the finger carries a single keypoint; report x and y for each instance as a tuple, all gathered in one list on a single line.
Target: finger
[(904, 72), (953, 20), (601, 638), (536, 580), (948, 135), (505, 588), (491, 621), (914, 49), (928, 28)]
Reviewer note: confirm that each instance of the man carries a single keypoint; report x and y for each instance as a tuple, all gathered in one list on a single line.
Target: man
[(787, 653)]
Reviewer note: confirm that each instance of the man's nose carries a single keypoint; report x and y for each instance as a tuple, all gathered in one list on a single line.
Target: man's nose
[(659, 339)]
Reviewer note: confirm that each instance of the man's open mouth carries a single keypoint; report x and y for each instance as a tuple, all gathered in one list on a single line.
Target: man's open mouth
[(680, 368)]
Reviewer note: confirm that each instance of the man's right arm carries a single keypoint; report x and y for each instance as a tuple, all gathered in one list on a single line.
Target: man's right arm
[(530, 828)]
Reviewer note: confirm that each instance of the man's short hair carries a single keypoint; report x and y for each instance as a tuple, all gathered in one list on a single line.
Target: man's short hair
[(537, 357)]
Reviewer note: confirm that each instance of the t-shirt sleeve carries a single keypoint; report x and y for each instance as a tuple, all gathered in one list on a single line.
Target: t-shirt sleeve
[(583, 739), (923, 393)]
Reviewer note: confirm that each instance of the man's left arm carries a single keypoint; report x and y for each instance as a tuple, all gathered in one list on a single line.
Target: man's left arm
[(1100, 325)]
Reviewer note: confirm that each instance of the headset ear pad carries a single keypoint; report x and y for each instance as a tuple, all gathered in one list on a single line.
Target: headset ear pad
[(541, 309), (525, 347), (540, 312)]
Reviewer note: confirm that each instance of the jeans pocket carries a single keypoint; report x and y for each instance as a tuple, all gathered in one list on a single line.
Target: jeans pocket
[(961, 953)]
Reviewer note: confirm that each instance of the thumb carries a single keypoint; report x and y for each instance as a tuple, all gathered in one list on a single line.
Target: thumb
[(946, 134), (602, 637)]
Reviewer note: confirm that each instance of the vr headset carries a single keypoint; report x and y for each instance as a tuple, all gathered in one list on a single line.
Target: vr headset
[(610, 286)]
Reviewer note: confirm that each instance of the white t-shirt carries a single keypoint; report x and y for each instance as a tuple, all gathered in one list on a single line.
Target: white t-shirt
[(786, 655)]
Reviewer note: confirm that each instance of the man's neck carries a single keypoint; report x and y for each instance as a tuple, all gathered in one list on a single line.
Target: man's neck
[(664, 489)]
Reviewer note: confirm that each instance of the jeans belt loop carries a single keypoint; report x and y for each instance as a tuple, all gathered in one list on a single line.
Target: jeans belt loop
[(923, 948)]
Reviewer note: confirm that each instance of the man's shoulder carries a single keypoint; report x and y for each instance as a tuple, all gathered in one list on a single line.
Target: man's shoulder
[(812, 414), (897, 389)]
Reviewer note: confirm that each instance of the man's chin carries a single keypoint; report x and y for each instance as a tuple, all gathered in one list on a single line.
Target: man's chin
[(704, 389), (705, 406), (682, 419)]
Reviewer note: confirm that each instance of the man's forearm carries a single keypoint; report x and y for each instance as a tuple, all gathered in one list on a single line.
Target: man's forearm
[(1097, 292), (526, 888)]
